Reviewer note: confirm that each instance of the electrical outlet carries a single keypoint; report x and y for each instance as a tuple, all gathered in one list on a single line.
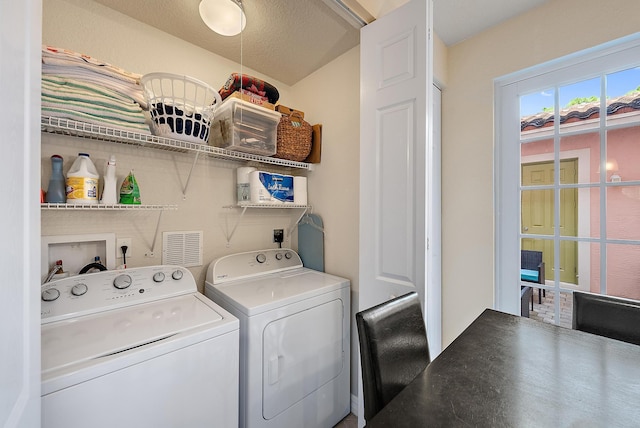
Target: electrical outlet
[(278, 235), (119, 243)]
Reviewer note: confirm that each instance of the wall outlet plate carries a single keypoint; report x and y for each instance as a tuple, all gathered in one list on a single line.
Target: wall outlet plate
[(119, 243)]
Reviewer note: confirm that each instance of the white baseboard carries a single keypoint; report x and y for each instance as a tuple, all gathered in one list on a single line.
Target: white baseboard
[(354, 404)]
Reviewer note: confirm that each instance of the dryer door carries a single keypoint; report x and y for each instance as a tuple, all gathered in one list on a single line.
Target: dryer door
[(302, 352)]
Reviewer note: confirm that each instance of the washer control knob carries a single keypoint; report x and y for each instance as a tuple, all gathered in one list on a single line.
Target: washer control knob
[(79, 289), (122, 281), (50, 294), (288, 255), (278, 256), (158, 277), (177, 274), (261, 258)]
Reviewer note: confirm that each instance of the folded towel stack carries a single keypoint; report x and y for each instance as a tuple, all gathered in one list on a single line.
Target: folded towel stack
[(79, 87)]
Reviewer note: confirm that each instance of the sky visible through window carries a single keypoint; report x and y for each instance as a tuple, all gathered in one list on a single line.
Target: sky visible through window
[(618, 84)]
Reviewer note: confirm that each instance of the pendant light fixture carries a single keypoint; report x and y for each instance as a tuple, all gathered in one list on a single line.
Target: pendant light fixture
[(225, 17)]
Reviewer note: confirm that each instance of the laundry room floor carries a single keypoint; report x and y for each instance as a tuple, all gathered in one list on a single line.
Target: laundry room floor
[(351, 421)]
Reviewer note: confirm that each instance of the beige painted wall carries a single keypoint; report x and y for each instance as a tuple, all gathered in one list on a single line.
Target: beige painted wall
[(440, 62), (331, 96), (555, 29)]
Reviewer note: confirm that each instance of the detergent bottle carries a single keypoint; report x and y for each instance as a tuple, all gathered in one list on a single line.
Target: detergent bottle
[(82, 181)]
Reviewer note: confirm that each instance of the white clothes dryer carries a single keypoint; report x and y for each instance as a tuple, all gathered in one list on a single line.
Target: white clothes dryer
[(294, 338), (137, 348)]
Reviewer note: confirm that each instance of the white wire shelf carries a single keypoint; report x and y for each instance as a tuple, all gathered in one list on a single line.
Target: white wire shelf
[(55, 125), (107, 207), (272, 206)]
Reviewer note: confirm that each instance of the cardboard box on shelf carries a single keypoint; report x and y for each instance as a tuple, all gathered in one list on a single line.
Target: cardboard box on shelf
[(316, 144), (288, 111), (253, 99)]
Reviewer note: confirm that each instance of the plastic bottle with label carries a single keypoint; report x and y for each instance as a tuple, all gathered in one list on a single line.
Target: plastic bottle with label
[(82, 181), (56, 192), (109, 194)]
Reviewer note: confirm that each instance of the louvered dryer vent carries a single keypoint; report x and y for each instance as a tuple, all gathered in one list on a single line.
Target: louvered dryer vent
[(182, 248)]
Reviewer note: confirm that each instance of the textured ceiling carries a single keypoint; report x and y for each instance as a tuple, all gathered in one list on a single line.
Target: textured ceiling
[(290, 39), (284, 39)]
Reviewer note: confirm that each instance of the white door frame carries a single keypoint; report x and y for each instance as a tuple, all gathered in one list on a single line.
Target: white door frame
[(20, 68)]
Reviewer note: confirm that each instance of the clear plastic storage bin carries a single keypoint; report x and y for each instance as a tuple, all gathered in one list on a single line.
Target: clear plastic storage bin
[(244, 127)]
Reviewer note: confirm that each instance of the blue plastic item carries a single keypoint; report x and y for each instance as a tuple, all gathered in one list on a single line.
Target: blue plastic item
[(311, 241), (529, 275), (57, 191)]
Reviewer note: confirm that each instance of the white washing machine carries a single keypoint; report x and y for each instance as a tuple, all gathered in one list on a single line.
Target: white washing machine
[(294, 338), (137, 348)]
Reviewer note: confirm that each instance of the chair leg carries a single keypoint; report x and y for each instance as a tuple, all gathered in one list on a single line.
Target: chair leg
[(532, 301), (540, 296)]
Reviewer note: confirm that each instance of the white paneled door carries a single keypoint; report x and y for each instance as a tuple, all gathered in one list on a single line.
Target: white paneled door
[(395, 150)]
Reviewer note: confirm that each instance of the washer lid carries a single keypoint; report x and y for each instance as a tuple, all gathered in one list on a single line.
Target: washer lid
[(92, 337), (264, 293)]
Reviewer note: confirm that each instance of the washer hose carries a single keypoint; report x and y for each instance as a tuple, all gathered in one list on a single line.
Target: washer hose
[(98, 266)]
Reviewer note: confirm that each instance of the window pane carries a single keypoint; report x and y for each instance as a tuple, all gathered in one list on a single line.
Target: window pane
[(537, 212), (536, 151), (622, 96), (623, 154), (545, 246), (536, 114), (580, 105), (589, 266), (623, 212), (585, 214), (623, 265), (569, 212), (545, 311), (568, 262), (585, 149)]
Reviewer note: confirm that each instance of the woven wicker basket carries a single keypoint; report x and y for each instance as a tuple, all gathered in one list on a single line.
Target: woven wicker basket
[(294, 138)]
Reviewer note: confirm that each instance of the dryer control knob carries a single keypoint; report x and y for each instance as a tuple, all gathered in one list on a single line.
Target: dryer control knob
[(122, 281), (158, 277), (261, 258), (177, 274), (288, 255), (50, 294), (278, 256), (79, 289)]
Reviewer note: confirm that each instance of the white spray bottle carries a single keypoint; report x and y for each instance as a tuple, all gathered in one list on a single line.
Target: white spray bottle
[(109, 194)]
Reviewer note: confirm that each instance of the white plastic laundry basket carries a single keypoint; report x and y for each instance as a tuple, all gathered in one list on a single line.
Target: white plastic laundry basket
[(181, 107)]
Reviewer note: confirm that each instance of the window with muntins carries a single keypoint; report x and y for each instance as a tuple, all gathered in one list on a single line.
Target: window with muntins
[(568, 178)]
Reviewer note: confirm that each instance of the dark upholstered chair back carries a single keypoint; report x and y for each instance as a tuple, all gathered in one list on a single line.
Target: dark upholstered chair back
[(393, 349), (532, 260), (608, 316)]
